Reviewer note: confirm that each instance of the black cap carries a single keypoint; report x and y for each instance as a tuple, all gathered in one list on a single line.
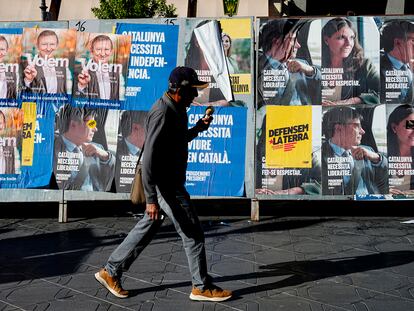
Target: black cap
[(185, 76)]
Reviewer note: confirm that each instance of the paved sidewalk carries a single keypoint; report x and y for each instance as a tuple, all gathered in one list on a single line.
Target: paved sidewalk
[(286, 263)]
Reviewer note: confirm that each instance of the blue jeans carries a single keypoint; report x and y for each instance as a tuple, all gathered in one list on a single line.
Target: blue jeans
[(177, 206)]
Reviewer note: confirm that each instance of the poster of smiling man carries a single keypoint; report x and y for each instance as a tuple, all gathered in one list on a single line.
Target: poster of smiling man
[(10, 52), (47, 62), (11, 128), (101, 65)]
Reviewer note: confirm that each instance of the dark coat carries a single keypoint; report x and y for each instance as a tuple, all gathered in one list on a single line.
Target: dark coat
[(166, 148)]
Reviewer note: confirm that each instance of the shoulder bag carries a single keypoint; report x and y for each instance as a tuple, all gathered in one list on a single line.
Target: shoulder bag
[(137, 188)]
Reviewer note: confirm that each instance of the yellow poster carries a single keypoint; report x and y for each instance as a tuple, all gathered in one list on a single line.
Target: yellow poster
[(236, 37), (29, 127), (289, 136)]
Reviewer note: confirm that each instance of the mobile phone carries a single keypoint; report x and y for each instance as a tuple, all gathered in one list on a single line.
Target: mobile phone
[(209, 112)]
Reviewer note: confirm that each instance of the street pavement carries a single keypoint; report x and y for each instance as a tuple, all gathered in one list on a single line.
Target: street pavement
[(290, 263)]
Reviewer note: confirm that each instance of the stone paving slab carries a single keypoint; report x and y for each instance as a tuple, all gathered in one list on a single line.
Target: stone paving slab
[(279, 263)]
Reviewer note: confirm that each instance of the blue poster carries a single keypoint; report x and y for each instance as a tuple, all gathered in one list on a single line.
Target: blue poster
[(153, 56), (40, 172), (216, 159), (26, 165)]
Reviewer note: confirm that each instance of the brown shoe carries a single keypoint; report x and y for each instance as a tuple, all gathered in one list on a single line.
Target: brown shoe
[(213, 293), (113, 284)]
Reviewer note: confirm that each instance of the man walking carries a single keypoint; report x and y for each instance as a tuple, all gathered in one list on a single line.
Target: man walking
[(164, 174)]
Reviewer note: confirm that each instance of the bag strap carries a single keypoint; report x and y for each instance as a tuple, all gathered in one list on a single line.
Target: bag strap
[(140, 155)]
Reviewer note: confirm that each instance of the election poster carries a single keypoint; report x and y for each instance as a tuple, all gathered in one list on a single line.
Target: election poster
[(202, 49), (216, 159), (288, 62), (11, 126), (29, 128), (153, 56), (10, 53), (289, 136), (350, 61), (37, 145), (396, 58), (26, 146), (237, 37), (400, 143), (288, 151), (354, 161), (47, 64), (83, 160), (101, 67), (131, 137)]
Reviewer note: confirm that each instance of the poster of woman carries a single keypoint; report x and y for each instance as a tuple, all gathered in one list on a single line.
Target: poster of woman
[(350, 67), (204, 52), (237, 40), (400, 142)]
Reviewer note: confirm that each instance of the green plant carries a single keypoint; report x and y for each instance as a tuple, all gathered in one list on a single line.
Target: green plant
[(115, 9)]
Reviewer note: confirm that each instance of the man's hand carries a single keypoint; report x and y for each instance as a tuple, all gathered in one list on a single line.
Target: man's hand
[(91, 150), (394, 190), (30, 73), (204, 123), (153, 211), (83, 79), (343, 102), (297, 66), (360, 153)]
